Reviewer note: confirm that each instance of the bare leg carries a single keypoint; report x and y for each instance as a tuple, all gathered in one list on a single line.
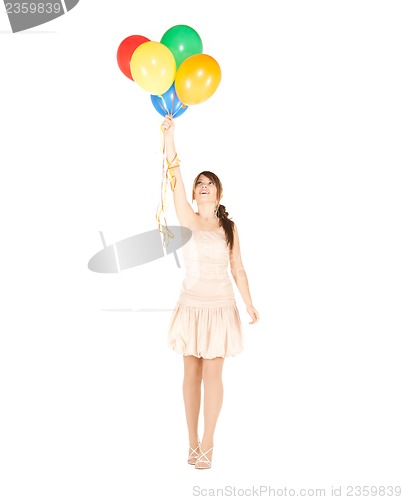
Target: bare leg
[(191, 395), (213, 398)]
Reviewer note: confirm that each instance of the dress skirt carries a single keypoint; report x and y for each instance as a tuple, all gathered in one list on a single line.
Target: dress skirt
[(205, 322)]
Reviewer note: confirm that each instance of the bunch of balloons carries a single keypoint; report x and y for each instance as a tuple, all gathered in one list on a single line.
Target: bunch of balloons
[(174, 71)]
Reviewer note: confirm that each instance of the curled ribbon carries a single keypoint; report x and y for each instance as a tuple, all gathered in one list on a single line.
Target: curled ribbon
[(167, 178)]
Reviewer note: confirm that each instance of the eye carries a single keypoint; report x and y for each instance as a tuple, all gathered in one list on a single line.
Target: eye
[(211, 182)]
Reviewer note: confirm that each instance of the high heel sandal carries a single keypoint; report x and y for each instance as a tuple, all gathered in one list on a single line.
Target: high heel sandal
[(200, 461), (194, 454)]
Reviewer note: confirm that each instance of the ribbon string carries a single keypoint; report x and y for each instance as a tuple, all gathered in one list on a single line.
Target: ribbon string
[(167, 178)]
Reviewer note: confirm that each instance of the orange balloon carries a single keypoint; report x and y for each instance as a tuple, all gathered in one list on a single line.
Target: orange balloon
[(197, 78)]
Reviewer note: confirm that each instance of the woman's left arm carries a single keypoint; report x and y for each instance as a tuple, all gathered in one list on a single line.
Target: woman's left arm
[(240, 278)]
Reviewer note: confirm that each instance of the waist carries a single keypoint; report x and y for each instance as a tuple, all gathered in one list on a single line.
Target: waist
[(193, 300), (206, 268), (200, 289)]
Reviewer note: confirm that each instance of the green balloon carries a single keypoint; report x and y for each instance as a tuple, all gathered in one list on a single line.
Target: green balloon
[(183, 41)]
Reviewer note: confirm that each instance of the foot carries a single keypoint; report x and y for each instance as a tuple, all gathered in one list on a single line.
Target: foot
[(194, 451), (205, 455)]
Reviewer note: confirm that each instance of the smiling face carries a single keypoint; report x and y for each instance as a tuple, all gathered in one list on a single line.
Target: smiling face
[(205, 190)]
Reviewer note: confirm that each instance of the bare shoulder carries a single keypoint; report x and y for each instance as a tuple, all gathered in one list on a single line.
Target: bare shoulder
[(235, 229)]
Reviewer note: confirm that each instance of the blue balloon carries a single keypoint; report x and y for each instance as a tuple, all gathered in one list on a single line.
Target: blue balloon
[(168, 103)]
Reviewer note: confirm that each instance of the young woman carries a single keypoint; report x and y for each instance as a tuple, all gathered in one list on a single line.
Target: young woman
[(205, 326)]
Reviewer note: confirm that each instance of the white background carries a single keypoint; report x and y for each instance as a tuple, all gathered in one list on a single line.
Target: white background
[(305, 132)]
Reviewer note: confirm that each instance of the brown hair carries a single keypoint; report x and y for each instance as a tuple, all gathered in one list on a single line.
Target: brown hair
[(222, 214)]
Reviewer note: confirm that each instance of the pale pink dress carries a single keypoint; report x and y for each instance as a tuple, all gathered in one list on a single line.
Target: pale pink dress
[(206, 322)]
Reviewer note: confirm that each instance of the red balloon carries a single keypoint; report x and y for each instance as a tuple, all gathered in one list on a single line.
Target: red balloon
[(125, 52)]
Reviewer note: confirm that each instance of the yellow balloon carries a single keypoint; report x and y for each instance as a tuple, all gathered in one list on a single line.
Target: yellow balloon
[(197, 79), (153, 67)]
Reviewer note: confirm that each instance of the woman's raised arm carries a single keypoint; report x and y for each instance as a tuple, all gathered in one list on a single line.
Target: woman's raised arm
[(184, 210)]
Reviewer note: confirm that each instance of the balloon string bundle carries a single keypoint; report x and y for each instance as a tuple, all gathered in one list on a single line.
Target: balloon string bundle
[(164, 109), (167, 178)]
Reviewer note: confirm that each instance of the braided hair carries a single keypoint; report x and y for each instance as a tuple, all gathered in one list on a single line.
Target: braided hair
[(223, 220)]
